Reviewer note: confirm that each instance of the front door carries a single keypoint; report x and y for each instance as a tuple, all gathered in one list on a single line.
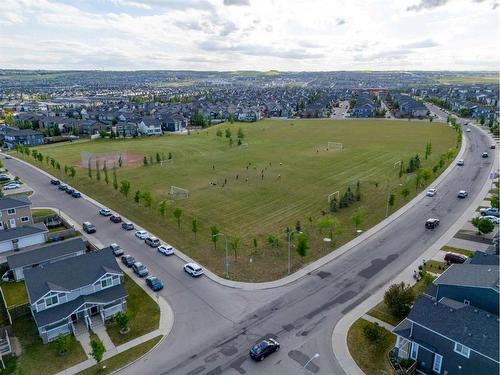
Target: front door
[(74, 318), (94, 310), (12, 223)]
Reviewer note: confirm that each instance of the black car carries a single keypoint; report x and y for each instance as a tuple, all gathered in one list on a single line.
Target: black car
[(484, 155), (70, 191), (432, 223), (76, 194), (55, 182), (115, 218), (62, 187), (128, 226), (263, 348), (128, 260)]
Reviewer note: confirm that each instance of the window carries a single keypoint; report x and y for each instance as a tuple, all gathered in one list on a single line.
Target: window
[(24, 219), (107, 282), (53, 300), (466, 302), (462, 350), (11, 211), (438, 360), (414, 351)]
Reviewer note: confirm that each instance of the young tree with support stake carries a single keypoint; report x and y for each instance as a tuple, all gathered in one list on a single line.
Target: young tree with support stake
[(177, 214)]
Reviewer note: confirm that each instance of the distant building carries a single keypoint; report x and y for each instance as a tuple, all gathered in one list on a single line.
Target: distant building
[(150, 126), (365, 106), (25, 137)]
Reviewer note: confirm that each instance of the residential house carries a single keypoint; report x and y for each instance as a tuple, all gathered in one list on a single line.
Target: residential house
[(39, 256), (174, 123), (150, 126), (454, 328), (26, 137), (365, 106), (126, 129), (15, 211), (82, 290)]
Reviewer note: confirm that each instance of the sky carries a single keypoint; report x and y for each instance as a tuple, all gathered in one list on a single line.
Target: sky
[(285, 35)]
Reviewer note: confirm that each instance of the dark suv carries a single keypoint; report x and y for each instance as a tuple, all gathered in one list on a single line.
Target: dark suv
[(128, 260)]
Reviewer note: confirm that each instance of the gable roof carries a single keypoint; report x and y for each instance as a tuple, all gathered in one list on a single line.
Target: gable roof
[(18, 232), (474, 275), (19, 201), (468, 325), (69, 274), (46, 252)]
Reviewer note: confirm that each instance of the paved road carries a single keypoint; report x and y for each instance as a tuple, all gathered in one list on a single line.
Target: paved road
[(215, 325)]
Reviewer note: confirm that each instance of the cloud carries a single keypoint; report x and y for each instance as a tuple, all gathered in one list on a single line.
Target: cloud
[(427, 43), (164, 4), (340, 21), (427, 4), (237, 2)]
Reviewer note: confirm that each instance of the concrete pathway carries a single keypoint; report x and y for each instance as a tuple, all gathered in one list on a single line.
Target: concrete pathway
[(100, 331), (381, 323), (84, 340)]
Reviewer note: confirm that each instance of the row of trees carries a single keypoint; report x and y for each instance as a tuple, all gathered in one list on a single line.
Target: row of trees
[(347, 198), (69, 171), (158, 158), (229, 135)]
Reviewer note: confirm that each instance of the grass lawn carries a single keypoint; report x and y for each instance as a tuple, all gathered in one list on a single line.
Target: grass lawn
[(15, 293), (42, 212), (381, 310), (143, 312), (371, 358), (435, 266), (121, 359), (469, 79), (38, 358), (458, 250), (299, 174)]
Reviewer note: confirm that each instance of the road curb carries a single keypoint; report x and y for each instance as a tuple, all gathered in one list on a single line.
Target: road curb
[(339, 335)]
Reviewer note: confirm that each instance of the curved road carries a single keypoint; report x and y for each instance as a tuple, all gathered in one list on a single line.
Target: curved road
[(215, 325)]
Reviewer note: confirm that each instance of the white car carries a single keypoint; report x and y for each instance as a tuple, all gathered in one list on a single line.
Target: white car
[(193, 269), (104, 212), (11, 186), (493, 219), (431, 192), (166, 249), (142, 234), (460, 162), (468, 130)]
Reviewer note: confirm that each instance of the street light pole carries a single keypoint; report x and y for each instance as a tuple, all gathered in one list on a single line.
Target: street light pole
[(313, 357)]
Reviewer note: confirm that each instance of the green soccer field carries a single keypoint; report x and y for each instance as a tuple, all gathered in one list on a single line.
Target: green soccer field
[(282, 176)]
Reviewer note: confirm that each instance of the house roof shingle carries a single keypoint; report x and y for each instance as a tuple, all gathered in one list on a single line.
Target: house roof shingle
[(475, 275), (19, 201), (26, 230)]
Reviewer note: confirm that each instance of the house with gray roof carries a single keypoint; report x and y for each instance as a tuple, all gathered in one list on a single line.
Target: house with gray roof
[(15, 211), (82, 290), (39, 256), (454, 328)]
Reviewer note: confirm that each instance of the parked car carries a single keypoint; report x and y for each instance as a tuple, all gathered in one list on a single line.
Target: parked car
[(88, 227), (493, 146), (462, 194), (467, 130), (76, 194), (128, 226), (193, 269), (140, 269), (128, 260), (4, 177), (493, 219), (104, 212), (166, 249), (460, 162), (115, 219), (55, 182), (11, 186), (142, 234), (432, 223), (264, 348), (454, 258), (154, 283), (62, 187), (117, 250), (431, 192), (70, 191), (489, 211), (484, 155), (152, 241)]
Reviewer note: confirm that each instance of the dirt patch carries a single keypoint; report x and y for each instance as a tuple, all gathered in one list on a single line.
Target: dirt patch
[(110, 159)]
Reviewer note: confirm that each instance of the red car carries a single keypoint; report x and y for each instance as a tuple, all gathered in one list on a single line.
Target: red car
[(115, 218)]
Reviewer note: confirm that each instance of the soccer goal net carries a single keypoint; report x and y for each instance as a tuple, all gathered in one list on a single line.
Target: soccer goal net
[(177, 192), (335, 146), (166, 162), (332, 196)]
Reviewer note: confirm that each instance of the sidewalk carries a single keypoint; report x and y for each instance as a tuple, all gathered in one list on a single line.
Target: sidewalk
[(339, 336)]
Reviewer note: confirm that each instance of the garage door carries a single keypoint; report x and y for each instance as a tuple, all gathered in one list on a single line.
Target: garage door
[(31, 240), (5, 246)]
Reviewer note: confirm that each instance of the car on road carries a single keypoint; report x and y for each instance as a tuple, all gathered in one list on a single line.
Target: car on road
[(76, 194), (11, 186), (467, 130), (88, 227), (193, 269), (484, 155), (70, 191), (432, 223), (128, 226), (493, 146), (489, 211), (152, 241), (142, 234), (264, 348), (115, 219), (431, 192), (462, 194), (117, 250), (55, 182), (154, 283), (8, 157), (454, 258), (493, 219), (140, 269), (62, 187), (105, 212), (128, 260), (461, 162), (166, 249)]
